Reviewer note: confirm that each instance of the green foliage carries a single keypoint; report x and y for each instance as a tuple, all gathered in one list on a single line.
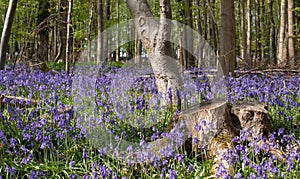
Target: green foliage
[(58, 66), (116, 64)]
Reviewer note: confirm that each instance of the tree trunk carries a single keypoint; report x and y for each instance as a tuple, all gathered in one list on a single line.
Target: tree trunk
[(69, 36), (258, 39), (272, 44), (243, 44), (200, 32), (6, 31), (154, 36), (249, 34), (188, 37), (62, 30), (100, 29), (281, 56), (199, 27), (263, 24), (43, 14), (117, 34), (205, 20), (227, 58), (213, 26), (108, 39), (291, 38), (89, 55)]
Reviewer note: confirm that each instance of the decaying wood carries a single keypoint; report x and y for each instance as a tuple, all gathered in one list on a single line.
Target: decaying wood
[(211, 116), (218, 137), (26, 102), (253, 117), (19, 101), (227, 121), (215, 129)]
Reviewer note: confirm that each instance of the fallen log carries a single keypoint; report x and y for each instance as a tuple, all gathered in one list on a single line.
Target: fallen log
[(18, 101), (22, 102)]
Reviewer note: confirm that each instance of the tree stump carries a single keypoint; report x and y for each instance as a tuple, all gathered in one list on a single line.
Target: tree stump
[(253, 117), (227, 122), (207, 120), (211, 124)]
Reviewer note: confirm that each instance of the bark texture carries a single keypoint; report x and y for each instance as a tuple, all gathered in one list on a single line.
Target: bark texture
[(100, 29), (6, 31), (227, 58), (249, 35), (243, 29), (291, 38), (43, 14), (155, 37), (282, 56)]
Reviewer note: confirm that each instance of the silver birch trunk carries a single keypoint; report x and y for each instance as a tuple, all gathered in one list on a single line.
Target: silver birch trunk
[(117, 34), (9, 18), (68, 35), (249, 35), (89, 55)]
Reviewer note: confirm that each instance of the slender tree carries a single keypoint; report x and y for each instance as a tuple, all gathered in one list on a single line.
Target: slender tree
[(227, 56), (89, 56), (188, 37), (68, 39), (117, 33), (243, 44), (272, 36), (6, 31), (249, 34), (291, 38), (100, 29), (198, 18), (108, 37), (62, 29), (258, 37), (42, 16), (282, 56), (213, 25)]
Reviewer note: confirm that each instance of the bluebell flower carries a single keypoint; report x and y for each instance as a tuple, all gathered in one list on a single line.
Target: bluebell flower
[(180, 157), (72, 176), (13, 142), (195, 140), (238, 176), (84, 153), (11, 170), (197, 127), (190, 168), (221, 171), (172, 174)]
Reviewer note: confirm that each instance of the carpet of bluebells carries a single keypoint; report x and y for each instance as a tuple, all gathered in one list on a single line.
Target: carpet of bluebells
[(41, 141)]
